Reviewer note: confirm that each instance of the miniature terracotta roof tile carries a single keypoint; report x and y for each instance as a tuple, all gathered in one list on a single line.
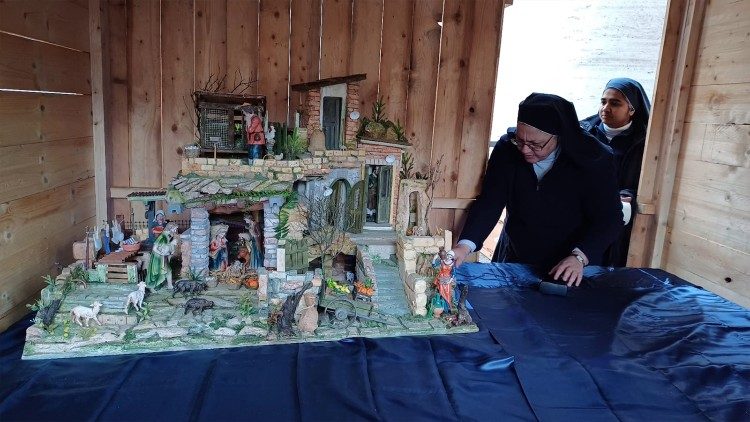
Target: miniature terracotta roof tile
[(145, 196), (385, 142), (306, 86), (148, 193)]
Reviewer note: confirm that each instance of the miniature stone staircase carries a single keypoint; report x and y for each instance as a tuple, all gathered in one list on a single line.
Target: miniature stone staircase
[(379, 243), (390, 291), (377, 227)]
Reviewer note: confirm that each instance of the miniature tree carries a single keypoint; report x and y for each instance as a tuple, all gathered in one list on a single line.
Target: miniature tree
[(407, 166), (432, 176), (327, 224)]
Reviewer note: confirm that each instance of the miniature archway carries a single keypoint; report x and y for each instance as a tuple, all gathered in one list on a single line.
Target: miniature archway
[(407, 218), (413, 209)]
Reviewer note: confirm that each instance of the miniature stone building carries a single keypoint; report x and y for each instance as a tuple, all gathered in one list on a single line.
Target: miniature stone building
[(332, 106)]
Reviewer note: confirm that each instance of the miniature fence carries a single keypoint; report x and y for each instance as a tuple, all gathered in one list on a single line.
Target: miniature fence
[(143, 225)]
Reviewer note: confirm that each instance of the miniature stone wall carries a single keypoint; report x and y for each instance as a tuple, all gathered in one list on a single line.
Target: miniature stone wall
[(312, 111), (200, 233), (271, 210), (280, 170), (406, 188), (185, 251), (408, 248), (351, 126)]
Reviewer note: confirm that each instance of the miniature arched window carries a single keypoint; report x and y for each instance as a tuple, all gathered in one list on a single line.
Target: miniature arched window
[(300, 187), (413, 210)]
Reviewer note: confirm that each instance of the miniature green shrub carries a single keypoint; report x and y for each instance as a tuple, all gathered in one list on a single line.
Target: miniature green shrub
[(245, 305), (129, 335), (240, 326), (407, 166), (260, 324), (194, 275), (88, 332), (144, 314), (282, 229), (36, 306), (295, 146), (217, 323)]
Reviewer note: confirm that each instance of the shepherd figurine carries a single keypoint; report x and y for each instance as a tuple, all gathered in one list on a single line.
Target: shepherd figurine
[(158, 267), (254, 133)]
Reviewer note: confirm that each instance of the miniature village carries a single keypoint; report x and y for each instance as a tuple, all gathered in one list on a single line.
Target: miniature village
[(267, 235)]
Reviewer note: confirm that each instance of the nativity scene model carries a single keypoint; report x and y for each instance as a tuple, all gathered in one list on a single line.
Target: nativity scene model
[(267, 235)]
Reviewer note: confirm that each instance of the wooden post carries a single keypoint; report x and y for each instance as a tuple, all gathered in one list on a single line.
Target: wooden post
[(97, 109), (675, 72)]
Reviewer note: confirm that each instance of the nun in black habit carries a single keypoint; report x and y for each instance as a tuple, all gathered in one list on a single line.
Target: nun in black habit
[(558, 186), (621, 124)]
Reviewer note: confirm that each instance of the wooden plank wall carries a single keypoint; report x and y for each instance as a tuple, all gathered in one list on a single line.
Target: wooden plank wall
[(708, 235), (47, 194), (398, 43)]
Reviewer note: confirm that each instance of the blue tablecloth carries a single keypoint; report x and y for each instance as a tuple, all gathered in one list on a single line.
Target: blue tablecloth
[(627, 345)]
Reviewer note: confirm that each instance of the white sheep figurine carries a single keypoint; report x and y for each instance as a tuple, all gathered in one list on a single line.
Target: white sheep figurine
[(136, 298), (83, 313)]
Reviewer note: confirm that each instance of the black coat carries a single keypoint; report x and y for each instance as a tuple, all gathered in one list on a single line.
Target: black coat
[(628, 154), (574, 205)]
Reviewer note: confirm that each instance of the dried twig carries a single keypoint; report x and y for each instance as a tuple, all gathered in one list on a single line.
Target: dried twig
[(215, 84), (432, 176), (193, 113), (240, 84)]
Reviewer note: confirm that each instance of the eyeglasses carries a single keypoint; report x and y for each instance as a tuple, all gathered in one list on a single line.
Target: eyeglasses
[(534, 147)]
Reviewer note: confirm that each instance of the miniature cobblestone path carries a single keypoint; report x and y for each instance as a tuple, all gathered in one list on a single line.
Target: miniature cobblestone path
[(390, 297)]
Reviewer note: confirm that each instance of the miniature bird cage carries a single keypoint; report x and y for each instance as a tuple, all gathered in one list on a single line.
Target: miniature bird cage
[(220, 124), (216, 126)]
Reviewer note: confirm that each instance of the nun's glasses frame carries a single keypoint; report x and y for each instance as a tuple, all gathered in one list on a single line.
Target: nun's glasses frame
[(534, 147)]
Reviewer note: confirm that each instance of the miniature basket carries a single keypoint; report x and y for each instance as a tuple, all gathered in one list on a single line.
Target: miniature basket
[(191, 151), (135, 247)]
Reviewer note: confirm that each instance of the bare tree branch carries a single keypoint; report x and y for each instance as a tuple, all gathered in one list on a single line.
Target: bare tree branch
[(327, 224), (432, 176), (240, 84)]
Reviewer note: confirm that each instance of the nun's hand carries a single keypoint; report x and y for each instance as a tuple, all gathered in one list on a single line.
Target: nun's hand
[(569, 270), (461, 251)]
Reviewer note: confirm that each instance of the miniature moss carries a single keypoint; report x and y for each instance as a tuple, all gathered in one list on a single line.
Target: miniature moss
[(129, 335)]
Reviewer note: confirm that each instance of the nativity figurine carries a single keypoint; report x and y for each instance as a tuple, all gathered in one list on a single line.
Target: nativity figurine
[(444, 282), (255, 136), (164, 247), (218, 256)]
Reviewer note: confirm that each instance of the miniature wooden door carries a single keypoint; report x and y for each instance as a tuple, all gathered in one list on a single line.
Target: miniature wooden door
[(384, 194), (355, 204), (296, 254), (332, 122)]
